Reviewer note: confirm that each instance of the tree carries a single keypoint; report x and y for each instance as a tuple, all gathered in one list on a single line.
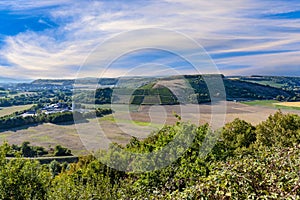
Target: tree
[(279, 130), (61, 151), (238, 133), (55, 168), (21, 178), (27, 150)]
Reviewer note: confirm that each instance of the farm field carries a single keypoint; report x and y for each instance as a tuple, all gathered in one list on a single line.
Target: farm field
[(274, 104), (140, 122), (49, 135), (270, 83), (268, 103), (10, 110), (289, 104)]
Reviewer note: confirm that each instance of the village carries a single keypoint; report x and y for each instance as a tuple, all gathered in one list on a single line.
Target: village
[(49, 109)]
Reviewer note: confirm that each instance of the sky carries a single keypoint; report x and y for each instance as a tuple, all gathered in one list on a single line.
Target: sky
[(54, 38)]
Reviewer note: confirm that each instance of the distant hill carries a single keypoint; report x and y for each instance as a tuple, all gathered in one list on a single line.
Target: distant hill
[(282, 82), (131, 82), (237, 89), (173, 89), (164, 90), (12, 80), (53, 82)]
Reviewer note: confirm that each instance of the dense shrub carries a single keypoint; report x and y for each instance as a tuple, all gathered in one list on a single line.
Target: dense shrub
[(61, 151), (279, 130), (253, 169), (21, 178)]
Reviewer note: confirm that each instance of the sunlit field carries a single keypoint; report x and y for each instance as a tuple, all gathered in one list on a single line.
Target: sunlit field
[(289, 104), (10, 110)]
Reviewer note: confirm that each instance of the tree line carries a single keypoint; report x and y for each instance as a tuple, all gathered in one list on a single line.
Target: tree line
[(36, 97), (8, 122), (27, 150)]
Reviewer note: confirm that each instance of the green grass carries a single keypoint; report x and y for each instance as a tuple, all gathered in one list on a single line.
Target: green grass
[(269, 103), (148, 86), (270, 83), (118, 107), (107, 118), (140, 123)]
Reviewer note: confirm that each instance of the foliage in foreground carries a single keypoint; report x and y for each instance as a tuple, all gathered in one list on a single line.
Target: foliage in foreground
[(247, 162)]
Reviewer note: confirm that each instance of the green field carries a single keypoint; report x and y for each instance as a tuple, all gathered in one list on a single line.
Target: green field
[(118, 107), (269, 83), (10, 110), (271, 104)]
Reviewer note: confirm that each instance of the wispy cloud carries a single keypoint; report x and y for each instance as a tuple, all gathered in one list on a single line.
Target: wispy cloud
[(222, 27)]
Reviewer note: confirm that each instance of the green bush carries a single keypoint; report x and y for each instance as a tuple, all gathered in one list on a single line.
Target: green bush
[(21, 178), (247, 162), (279, 130), (61, 151)]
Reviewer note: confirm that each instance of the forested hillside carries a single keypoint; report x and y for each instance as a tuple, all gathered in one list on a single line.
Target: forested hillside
[(239, 90), (286, 83), (235, 90), (145, 90), (157, 93)]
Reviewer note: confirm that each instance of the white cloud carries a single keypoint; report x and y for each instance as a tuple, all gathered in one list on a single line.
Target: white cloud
[(23, 6), (221, 26), (286, 63)]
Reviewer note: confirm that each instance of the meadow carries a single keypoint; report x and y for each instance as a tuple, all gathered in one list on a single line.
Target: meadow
[(10, 110)]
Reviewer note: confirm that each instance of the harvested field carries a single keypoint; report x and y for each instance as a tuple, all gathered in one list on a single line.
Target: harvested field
[(139, 122), (10, 110), (289, 104)]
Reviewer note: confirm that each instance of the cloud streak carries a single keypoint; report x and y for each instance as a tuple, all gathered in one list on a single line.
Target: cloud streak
[(222, 27)]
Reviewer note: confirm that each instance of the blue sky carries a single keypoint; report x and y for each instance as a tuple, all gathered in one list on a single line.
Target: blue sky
[(51, 38)]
